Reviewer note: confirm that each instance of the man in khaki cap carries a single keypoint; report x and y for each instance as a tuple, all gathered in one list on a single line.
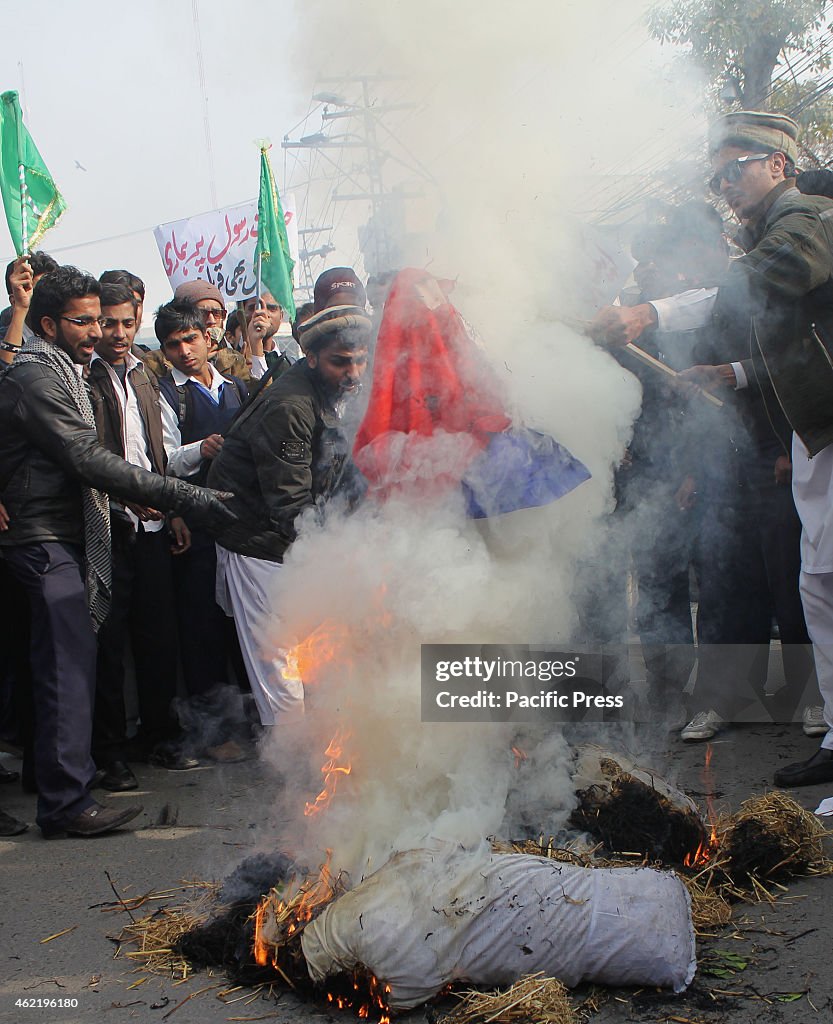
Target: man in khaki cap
[(780, 296)]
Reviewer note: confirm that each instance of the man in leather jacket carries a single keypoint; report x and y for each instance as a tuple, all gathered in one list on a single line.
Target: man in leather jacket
[(52, 474), (285, 454)]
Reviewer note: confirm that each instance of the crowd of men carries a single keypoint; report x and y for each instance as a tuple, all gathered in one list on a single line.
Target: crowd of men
[(149, 497), (108, 527)]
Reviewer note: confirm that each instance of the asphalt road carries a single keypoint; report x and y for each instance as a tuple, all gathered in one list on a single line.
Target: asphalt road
[(200, 824)]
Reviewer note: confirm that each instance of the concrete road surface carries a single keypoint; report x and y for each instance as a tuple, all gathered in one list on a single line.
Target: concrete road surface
[(199, 825)]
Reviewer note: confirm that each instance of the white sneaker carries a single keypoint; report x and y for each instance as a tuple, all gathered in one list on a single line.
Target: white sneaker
[(703, 726), (812, 721)]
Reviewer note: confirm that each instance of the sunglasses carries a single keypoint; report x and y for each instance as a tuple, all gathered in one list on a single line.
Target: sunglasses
[(732, 171)]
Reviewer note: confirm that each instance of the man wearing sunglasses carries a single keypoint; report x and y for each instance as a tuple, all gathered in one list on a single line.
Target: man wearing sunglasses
[(779, 298)]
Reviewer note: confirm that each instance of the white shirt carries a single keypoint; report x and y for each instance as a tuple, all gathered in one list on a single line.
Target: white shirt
[(134, 439), (184, 459), (688, 311)]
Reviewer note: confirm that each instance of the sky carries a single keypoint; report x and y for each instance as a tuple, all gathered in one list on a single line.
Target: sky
[(117, 89)]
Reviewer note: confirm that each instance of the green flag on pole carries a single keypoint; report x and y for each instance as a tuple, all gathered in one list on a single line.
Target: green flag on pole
[(272, 260), (31, 198)]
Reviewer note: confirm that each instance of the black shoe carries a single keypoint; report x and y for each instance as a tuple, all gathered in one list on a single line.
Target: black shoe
[(172, 759), (10, 826), (812, 772), (95, 821), (117, 777), (7, 776)]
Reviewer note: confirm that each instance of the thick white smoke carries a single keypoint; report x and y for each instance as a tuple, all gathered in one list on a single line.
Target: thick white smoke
[(515, 103)]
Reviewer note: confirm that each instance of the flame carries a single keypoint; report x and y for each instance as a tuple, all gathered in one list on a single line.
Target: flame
[(320, 892), (332, 771), (706, 850), (290, 915), (520, 756), (372, 991), (260, 950), (305, 660)]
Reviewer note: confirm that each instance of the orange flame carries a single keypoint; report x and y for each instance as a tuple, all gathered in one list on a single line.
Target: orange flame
[(705, 850), (332, 771), (305, 660), (318, 893), (374, 991), (314, 894), (520, 756), (260, 949)]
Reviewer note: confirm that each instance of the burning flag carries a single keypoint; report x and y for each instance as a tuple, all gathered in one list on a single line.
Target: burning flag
[(436, 419)]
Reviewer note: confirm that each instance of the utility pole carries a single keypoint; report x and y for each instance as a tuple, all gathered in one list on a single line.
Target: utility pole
[(381, 238)]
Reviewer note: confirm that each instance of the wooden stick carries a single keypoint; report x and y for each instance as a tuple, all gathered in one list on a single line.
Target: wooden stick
[(649, 360)]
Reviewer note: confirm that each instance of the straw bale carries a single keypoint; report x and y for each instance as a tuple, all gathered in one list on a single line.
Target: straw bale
[(535, 999)]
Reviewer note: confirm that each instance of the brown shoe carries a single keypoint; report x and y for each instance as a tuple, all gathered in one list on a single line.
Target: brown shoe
[(95, 821), (227, 753)]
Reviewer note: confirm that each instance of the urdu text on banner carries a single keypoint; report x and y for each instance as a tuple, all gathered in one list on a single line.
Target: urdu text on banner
[(219, 247)]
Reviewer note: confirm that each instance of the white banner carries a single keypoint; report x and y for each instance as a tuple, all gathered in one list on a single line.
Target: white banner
[(219, 247)]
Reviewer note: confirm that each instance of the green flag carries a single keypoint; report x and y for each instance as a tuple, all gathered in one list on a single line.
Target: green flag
[(31, 198), (272, 244)]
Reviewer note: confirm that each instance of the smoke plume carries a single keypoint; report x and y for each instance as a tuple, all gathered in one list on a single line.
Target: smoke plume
[(514, 105)]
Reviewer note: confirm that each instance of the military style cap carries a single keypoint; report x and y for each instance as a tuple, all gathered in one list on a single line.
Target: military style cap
[(755, 129)]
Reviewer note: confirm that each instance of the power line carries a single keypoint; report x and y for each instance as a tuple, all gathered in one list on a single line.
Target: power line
[(209, 152)]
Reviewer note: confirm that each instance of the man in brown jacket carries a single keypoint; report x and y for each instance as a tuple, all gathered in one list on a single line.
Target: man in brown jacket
[(128, 422)]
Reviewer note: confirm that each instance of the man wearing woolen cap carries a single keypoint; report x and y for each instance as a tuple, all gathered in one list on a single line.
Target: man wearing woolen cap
[(780, 296), (288, 454)]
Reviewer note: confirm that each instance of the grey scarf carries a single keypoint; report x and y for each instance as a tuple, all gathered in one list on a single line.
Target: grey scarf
[(96, 503)]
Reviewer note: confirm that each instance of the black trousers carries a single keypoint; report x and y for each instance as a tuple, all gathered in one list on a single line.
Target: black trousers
[(15, 641), (63, 653), (207, 638), (142, 611), (748, 564)]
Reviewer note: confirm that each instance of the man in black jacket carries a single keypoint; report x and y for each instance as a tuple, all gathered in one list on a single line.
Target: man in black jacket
[(52, 474), (285, 453)]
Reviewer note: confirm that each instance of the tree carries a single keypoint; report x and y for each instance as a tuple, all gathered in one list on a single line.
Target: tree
[(740, 43)]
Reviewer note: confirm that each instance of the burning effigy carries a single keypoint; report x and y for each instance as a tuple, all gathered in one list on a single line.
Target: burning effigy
[(437, 916), (628, 808)]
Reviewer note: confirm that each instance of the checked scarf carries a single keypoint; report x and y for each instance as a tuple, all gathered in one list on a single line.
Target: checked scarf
[(96, 503)]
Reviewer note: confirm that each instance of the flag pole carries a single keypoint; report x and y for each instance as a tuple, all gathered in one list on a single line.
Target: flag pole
[(21, 170), (259, 278)]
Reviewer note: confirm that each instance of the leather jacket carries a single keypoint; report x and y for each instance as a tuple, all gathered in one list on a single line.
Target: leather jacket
[(48, 453), (283, 454), (785, 281)]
